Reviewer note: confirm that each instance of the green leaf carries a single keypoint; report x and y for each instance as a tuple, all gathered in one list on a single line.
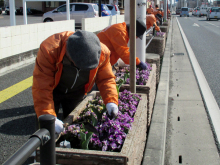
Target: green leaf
[(83, 136), (117, 90), (94, 121), (98, 114), (126, 76), (86, 142)]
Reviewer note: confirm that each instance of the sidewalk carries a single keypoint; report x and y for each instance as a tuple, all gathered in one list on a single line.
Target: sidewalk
[(180, 132)]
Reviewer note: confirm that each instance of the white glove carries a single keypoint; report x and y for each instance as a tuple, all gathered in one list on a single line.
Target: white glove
[(112, 109), (58, 126)]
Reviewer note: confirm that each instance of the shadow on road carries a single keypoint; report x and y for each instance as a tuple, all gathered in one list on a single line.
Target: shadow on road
[(14, 112), (21, 126)]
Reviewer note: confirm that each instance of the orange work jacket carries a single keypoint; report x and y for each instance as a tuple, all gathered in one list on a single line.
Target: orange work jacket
[(116, 38), (150, 10), (150, 21), (156, 11), (48, 70)]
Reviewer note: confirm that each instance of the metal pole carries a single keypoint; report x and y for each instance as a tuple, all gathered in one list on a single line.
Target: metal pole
[(141, 16), (100, 8), (25, 12), (132, 35), (47, 151), (68, 10), (12, 12), (165, 10)]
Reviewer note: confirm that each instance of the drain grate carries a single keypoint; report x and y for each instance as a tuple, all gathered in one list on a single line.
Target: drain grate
[(178, 54)]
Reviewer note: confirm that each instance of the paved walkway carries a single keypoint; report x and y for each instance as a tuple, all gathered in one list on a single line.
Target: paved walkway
[(180, 131)]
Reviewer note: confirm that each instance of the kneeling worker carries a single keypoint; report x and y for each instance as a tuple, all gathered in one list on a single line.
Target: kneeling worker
[(116, 38), (67, 66)]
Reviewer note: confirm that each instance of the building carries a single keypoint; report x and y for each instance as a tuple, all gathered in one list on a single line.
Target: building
[(216, 3)]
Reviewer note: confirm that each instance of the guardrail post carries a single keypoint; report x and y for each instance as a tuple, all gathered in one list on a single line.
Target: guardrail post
[(154, 30), (47, 151)]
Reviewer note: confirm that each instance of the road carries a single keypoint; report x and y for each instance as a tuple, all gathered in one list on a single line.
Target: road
[(203, 37), (17, 116), (5, 19)]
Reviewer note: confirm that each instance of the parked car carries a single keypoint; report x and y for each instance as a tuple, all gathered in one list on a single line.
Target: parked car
[(202, 11), (184, 11), (197, 11), (213, 13), (178, 11), (105, 10), (0, 10), (7, 10), (114, 9), (77, 12)]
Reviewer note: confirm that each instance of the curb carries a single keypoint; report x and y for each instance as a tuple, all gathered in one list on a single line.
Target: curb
[(155, 146)]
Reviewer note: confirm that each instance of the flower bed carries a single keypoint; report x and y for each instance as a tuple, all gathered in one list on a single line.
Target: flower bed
[(160, 34), (128, 148), (147, 87)]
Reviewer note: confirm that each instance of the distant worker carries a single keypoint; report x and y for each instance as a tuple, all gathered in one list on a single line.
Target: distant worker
[(150, 10), (150, 21), (156, 10), (67, 66), (116, 38)]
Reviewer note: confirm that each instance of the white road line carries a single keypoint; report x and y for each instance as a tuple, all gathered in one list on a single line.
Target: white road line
[(195, 24), (210, 23)]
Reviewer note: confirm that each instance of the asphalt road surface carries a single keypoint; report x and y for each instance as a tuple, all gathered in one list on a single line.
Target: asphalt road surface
[(5, 19), (204, 38), (17, 116)]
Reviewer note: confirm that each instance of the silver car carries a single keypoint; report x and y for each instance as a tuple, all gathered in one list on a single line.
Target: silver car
[(77, 12), (213, 13), (114, 9)]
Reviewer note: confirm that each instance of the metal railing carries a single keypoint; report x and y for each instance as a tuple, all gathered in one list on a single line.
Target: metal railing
[(148, 31), (43, 138)]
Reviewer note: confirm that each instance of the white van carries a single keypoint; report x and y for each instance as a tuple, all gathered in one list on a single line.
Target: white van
[(202, 11), (77, 12), (184, 11)]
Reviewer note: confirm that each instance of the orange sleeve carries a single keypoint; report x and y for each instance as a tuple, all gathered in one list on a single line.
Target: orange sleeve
[(157, 28), (105, 79), (44, 73), (118, 37), (43, 82)]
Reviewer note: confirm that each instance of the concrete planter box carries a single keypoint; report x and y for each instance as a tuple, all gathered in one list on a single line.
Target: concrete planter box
[(167, 23), (157, 45), (164, 29), (132, 150), (152, 58), (149, 89)]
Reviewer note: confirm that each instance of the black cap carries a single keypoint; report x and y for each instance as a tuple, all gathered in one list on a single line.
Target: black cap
[(140, 29), (84, 49)]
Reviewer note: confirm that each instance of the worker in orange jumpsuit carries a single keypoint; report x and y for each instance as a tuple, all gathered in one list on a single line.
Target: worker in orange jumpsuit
[(150, 10), (150, 21), (156, 10), (116, 38), (67, 66)]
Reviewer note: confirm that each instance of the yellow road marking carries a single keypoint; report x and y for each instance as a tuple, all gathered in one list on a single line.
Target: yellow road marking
[(15, 89)]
